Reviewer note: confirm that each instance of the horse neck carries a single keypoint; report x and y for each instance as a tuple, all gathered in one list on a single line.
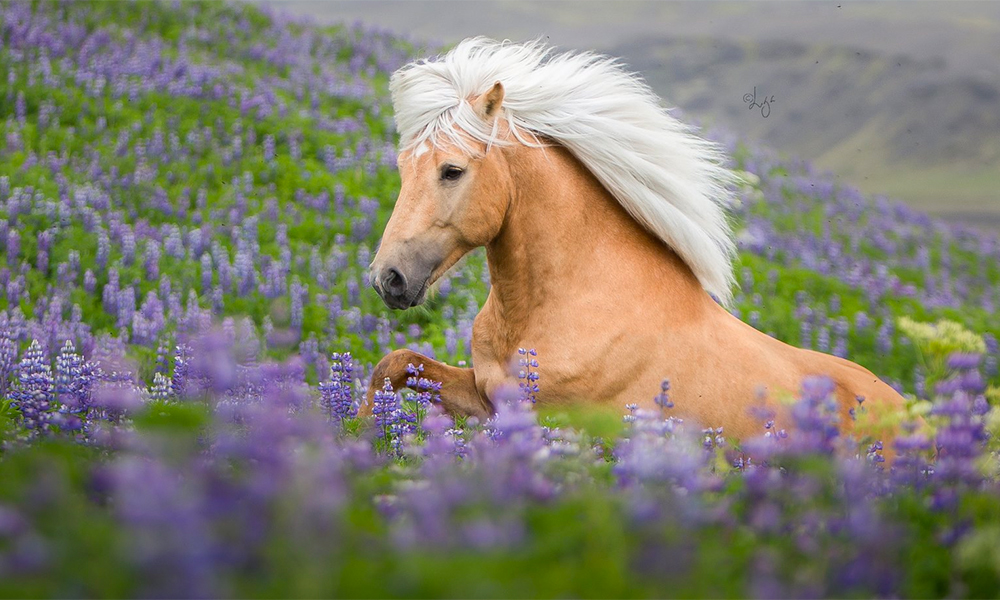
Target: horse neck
[(564, 234)]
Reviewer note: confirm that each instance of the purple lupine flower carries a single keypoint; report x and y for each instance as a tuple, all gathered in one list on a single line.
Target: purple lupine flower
[(218, 300), (883, 341), (337, 394), (663, 398), (103, 249), (8, 353), (42, 261), (269, 148), (173, 243), (309, 350), (162, 364), (403, 423), (528, 375), (385, 407), (298, 293), (45, 239), (206, 272), (443, 440), (34, 393), (151, 260), (166, 286), (353, 291), (964, 361), (991, 365), (958, 443), (109, 292), (712, 438), (246, 275), (815, 415), (919, 382), (805, 334), (14, 288), (13, 250), (428, 391), (840, 329), (125, 303), (874, 454), (840, 347), (148, 321), (181, 374), (161, 391), (992, 345), (128, 247), (823, 339), (20, 107), (72, 378)]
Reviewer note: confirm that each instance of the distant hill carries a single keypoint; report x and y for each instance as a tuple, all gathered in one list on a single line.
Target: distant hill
[(890, 123)]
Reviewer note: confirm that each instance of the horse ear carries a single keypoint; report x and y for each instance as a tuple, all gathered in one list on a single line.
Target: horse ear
[(488, 105)]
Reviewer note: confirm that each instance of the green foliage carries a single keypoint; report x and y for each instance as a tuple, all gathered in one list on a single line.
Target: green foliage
[(936, 342), (8, 420), (581, 545)]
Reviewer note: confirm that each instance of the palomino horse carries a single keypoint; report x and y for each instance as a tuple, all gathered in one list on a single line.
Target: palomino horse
[(604, 224)]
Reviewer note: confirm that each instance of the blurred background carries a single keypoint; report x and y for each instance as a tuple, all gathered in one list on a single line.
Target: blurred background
[(896, 98)]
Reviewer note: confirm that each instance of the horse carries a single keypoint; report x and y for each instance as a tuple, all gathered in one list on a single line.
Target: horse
[(606, 236)]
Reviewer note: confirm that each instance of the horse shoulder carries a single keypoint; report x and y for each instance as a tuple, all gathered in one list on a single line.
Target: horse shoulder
[(490, 347)]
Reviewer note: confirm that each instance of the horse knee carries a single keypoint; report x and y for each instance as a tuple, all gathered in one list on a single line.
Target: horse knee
[(394, 364), (392, 367), (459, 394)]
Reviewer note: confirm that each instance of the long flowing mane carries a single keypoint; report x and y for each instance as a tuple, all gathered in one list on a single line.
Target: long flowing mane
[(669, 179)]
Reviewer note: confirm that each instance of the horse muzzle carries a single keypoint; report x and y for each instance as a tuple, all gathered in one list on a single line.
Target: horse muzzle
[(399, 290)]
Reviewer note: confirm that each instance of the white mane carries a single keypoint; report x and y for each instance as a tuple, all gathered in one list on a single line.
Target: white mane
[(667, 178)]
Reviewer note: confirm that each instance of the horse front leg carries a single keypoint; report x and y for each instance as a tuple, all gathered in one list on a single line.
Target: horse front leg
[(459, 394)]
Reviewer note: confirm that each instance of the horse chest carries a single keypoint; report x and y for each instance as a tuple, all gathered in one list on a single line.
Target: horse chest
[(574, 364)]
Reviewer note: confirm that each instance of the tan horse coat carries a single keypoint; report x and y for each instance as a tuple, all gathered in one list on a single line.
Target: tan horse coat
[(611, 310)]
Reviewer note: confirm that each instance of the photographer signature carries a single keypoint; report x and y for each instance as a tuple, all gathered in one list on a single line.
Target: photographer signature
[(764, 105)]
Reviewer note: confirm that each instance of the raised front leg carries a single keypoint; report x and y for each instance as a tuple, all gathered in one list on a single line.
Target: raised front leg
[(459, 395)]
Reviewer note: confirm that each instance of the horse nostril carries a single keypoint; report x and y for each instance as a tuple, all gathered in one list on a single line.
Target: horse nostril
[(393, 282)]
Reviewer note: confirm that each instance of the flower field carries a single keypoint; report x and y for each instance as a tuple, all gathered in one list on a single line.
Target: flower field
[(190, 197)]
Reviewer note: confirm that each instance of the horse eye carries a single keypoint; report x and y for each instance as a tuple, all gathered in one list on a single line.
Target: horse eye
[(451, 173)]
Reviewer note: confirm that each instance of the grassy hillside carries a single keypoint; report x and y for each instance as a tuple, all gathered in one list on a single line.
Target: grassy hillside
[(894, 98), (190, 196)]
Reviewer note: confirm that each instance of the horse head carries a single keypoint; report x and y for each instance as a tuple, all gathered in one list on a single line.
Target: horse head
[(452, 199)]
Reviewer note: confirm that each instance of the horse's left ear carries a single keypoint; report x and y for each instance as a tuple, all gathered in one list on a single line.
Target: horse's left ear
[(488, 105)]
